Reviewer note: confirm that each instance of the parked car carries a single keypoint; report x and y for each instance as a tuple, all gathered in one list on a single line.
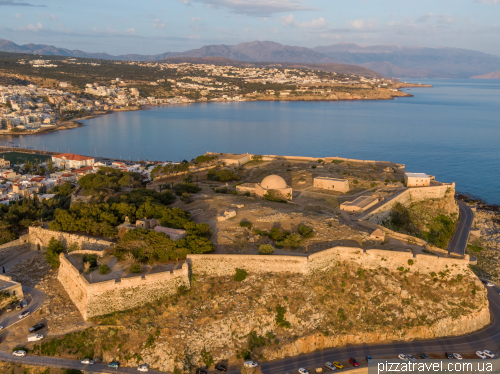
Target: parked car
[(143, 368), (221, 367), (114, 365), (449, 356), (369, 359), (480, 354), (35, 337), (87, 361), (24, 314), (250, 364), (24, 303), (9, 308), (488, 353), (36, 327), (338, 365), (424, 356), (403, 357), (18, 307), (303, 371), (330, 366), (19, 353), (1, 327), (201, 371), (353, 362), (457, 356), (411, 358), (487, 283)]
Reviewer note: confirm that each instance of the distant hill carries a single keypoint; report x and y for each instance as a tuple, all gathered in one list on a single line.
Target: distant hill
[(414, 61), (493, 75), (388, 60)]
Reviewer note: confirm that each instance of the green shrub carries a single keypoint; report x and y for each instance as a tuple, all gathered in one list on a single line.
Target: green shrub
[(246, 224), (260, 232), (320, 161), (257, 158), (355, 181), (313, 166), (222, 175), (203, 158), (277, 234), (240, 275), (53, 250), (104, 269), (387, 180), (224, 190), (266, 249), (475, 248), (136, 268), (246, 194), (234, 192), (280, 317), (305, 231), (410, 262), (292, 241), (337, 161)]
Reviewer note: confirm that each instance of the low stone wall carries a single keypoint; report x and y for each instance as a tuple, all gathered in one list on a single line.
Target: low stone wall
[(96, 299), (40, 238), (225, 265), (378, 215), (12, 249)]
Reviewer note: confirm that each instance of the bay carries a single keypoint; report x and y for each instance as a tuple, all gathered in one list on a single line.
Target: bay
[(451, 130)]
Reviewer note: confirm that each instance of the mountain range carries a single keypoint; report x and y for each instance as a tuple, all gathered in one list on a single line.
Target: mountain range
[(388, 60)]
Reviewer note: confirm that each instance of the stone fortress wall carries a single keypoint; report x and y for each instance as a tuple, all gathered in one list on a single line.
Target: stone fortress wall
[(40, 237), (379, 214), (95, 299), (226, 265)]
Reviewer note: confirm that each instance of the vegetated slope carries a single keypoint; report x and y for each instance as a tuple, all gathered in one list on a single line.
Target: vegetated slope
[(438, 62), (493, 75), (272, 316), (434, 220)]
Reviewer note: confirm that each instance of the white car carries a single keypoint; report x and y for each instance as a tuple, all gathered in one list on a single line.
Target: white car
[(143, 368), (488, 353), (19, 353), (87, 361), (303, 371), (403, 357), (480, 354), (330, 366), (250, 364), (24, 314), (411, 358), (457, 356), (1, 327)]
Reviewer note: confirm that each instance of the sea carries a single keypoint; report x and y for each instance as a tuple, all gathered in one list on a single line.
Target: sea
[(451, 131)]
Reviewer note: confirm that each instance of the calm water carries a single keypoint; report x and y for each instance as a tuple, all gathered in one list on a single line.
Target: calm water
[(451, 131)]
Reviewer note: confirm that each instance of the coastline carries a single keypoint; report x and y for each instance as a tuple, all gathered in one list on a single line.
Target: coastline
[(75, 123)]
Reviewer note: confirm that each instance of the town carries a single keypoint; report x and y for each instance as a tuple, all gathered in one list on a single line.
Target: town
[(47, 104)]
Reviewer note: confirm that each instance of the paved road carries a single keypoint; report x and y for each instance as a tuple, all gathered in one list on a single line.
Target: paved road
[(35, 299), (458, 243)]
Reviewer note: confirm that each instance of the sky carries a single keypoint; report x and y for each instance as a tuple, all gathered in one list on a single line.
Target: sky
[(157, 26)]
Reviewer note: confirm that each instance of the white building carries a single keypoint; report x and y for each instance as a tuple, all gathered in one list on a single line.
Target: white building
[(417, 180), (72, 161)]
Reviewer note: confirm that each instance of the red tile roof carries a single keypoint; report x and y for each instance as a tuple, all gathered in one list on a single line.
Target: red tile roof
[(73, 157), (66, 175), (84, 169)]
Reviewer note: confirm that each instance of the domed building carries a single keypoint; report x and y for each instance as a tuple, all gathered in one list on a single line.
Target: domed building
[(275, 183)]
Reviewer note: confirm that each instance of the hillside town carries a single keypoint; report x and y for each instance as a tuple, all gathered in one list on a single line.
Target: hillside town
[(43, 106)]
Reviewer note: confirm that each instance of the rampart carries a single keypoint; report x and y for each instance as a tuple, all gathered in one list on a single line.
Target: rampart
[(95, 299), (379, 214), (224, 265), (40, 238)]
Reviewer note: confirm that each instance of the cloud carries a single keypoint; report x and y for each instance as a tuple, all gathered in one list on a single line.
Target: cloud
[(19, 16), (16, 3), (48, 16), (494, 2), (131, 31), (446, 18), (361, 24), (426, 17), (158, 24), (313, 24), (258, 8), (32, 28), (196, 19)]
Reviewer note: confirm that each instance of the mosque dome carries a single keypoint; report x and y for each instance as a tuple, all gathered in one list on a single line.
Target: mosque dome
[(273, 182)]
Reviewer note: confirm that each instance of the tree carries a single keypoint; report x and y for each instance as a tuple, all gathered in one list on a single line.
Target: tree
[(266, 249), (50, 165), (257, 158), (54, 249)]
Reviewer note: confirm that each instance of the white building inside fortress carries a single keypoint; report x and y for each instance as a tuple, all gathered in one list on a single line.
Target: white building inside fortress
[(274, 183), (417, 180), (333, 184)]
